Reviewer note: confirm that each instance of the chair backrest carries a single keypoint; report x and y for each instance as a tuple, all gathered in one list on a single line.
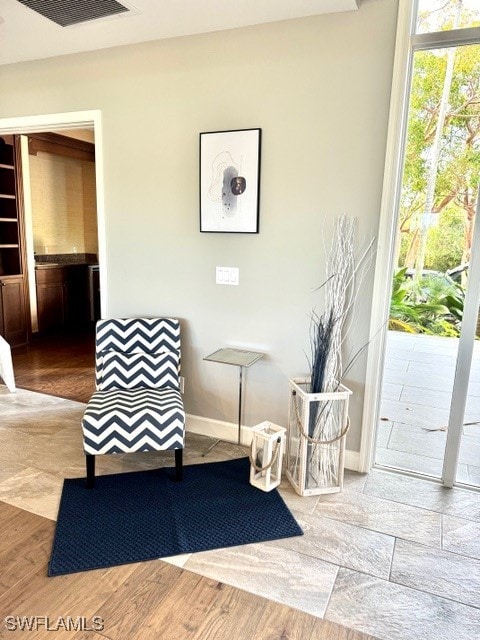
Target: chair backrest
[(135, 335)]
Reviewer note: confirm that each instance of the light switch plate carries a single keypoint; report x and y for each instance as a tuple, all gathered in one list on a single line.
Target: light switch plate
[(227, 275)]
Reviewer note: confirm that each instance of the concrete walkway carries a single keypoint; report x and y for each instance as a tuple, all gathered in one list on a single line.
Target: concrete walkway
[(415, 406)]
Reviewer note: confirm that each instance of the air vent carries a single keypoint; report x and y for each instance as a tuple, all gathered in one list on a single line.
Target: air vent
[(69, 12)]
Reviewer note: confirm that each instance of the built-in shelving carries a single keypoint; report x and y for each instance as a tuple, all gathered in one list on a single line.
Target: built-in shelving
[(7, 155), (10, 258), (13, 318)]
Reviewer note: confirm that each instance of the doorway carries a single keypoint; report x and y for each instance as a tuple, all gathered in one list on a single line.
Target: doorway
[(61, 235), (427, 405), (58, 123)]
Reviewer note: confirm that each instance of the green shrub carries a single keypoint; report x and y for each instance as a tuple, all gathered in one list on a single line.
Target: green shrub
[(434, 305)]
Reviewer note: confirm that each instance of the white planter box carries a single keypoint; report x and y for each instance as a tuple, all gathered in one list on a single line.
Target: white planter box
[(317, 427)]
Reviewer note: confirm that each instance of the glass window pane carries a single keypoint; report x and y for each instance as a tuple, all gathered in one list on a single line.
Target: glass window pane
[(435, 234), (444, 15)]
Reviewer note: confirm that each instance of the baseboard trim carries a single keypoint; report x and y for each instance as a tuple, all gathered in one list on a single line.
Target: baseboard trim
[(218, 429), (228, 431), (352, 460)]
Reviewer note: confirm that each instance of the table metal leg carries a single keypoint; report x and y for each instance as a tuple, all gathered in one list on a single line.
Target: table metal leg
[(214, 444), (239, 434), (240, 379)]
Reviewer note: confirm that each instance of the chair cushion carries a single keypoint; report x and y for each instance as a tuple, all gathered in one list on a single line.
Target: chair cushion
[(139, 370), (135, 335), (130, 335), (125, 420)]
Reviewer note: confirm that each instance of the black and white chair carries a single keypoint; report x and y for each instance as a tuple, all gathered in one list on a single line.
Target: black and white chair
[(137, 405)]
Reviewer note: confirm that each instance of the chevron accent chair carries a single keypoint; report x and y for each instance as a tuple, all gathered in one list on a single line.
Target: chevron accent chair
[(137, 405)]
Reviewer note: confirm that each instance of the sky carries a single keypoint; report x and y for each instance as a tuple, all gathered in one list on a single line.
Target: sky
[(445, 8)]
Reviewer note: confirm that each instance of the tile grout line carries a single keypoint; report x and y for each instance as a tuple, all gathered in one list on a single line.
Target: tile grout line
[(331, 593), (433, 481), (434, 595), (369, 528), (391, 561), (392, 582), (390, 435), (442, 516), (277, 544)]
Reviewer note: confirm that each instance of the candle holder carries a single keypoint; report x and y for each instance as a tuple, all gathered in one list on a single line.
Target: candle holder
[(266, 453)]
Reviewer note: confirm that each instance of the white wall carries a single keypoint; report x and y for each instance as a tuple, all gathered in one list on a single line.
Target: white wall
[(319, 88)]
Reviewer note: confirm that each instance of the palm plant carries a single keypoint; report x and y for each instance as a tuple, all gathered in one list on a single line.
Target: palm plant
[(434, 305)]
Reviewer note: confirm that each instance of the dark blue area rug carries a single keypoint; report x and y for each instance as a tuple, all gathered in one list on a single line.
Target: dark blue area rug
[(131, 517)]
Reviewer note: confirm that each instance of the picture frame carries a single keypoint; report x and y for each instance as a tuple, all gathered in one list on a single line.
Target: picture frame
[(230, 181)]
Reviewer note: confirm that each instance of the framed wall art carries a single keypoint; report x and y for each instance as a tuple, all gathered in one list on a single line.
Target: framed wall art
[(230, 181)]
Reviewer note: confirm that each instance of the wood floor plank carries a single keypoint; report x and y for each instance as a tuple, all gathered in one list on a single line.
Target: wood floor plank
[(326, 630), (89, 635), (15, 524), (21, 559), (125, 612), (234, 614), (74, 595), (185, 608), (182, 603), (279, 621)]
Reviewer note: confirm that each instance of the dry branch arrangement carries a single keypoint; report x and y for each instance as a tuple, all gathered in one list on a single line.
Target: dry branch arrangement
[(329, 333)]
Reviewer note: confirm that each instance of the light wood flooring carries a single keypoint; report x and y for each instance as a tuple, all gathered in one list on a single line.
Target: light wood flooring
[(145, 600)]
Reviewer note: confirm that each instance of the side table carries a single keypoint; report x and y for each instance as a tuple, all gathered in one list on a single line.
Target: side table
[(241, 359)]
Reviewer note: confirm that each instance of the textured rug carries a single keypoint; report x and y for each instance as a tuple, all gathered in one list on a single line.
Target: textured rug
[(132, 517)]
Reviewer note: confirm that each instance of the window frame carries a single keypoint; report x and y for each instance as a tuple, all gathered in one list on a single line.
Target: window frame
[(407, 43)]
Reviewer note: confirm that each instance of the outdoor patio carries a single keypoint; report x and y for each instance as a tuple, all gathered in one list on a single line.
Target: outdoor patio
[(417, 389)]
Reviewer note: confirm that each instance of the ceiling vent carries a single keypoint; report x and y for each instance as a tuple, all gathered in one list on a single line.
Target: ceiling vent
[(69, 12)]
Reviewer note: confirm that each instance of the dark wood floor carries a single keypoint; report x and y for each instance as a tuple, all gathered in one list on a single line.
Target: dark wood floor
[(149, 600), (60, 365)]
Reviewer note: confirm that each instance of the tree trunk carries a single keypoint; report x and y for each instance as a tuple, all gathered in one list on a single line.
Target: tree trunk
[(412, 251), (469, 224), (426, 221)]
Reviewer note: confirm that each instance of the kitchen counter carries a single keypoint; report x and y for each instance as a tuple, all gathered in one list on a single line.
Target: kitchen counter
[(64, 259), (56, 265)]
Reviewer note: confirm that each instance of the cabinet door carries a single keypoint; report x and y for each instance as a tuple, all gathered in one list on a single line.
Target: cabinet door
[(13, 324), (50, 306), (50, 298), (76, 302)]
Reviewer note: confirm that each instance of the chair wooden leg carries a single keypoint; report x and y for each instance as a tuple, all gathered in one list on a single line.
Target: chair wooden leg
[(90, 461), (178, 465)]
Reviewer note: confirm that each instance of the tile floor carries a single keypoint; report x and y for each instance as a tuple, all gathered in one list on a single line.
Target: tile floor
[(392, 556), (416, 397)]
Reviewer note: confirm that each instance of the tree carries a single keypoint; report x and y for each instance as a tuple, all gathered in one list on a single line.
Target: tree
[(442, 161), (434, 155)]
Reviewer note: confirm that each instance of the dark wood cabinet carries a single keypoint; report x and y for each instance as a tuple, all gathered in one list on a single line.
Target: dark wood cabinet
[(77, 295), (62, 296), (51, 295), (13, 317)]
